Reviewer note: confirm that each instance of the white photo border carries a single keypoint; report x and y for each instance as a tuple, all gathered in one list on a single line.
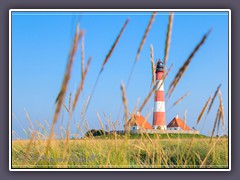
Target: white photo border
[(118, 10)]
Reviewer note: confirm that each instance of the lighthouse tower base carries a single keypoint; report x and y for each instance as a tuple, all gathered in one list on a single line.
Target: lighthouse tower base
[(160, 127)]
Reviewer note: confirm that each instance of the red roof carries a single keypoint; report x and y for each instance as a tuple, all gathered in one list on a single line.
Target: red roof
[(140, 121), (178, 122)]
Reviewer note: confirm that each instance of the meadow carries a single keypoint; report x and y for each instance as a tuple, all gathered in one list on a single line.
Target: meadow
[(124, 153), (45, 149)]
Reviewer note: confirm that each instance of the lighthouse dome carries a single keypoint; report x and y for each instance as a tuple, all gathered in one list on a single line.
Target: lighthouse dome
[(160, 66)]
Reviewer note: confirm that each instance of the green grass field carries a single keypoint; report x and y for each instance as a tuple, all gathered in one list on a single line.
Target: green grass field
[(153, 136), (141, 152)]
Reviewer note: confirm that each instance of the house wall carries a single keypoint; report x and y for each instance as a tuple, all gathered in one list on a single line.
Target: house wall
[(174, 128), (132, 128), (164, 131)]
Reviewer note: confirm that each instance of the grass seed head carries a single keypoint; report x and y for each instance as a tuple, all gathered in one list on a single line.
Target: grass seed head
[(83, 57), (81, 84), (145, 35), (159, 84), (203, 110), (124, 99), (181, 98), (61, 96), (168, 38), (114, 45), (184, 67), (214, 96), (152, 64)]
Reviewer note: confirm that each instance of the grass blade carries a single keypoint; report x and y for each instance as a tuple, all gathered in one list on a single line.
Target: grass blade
[(214, 96), (153, 89), (152, 64), (106, 60), (185, 66), (114, 45), (145, 35), (82, 59), (168, 39), (28, 148), (221, 108), (181, 98), (215, 123), (203, 110), (64, 86), (185, 118), (124, 99), (80, 86)]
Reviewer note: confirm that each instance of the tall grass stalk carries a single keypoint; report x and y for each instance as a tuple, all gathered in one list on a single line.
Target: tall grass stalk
[(64, 86), (185, 66), (168, 38)]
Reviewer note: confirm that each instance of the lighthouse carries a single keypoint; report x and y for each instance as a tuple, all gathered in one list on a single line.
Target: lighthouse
[(159, 121)]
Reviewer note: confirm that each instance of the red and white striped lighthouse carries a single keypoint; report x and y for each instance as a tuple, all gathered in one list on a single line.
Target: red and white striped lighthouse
[(159, 121)]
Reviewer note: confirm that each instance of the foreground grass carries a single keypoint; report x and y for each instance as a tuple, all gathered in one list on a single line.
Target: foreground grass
[(123, 153)]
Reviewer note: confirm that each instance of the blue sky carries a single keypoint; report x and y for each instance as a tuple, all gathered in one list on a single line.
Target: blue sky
[(41, 43)]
